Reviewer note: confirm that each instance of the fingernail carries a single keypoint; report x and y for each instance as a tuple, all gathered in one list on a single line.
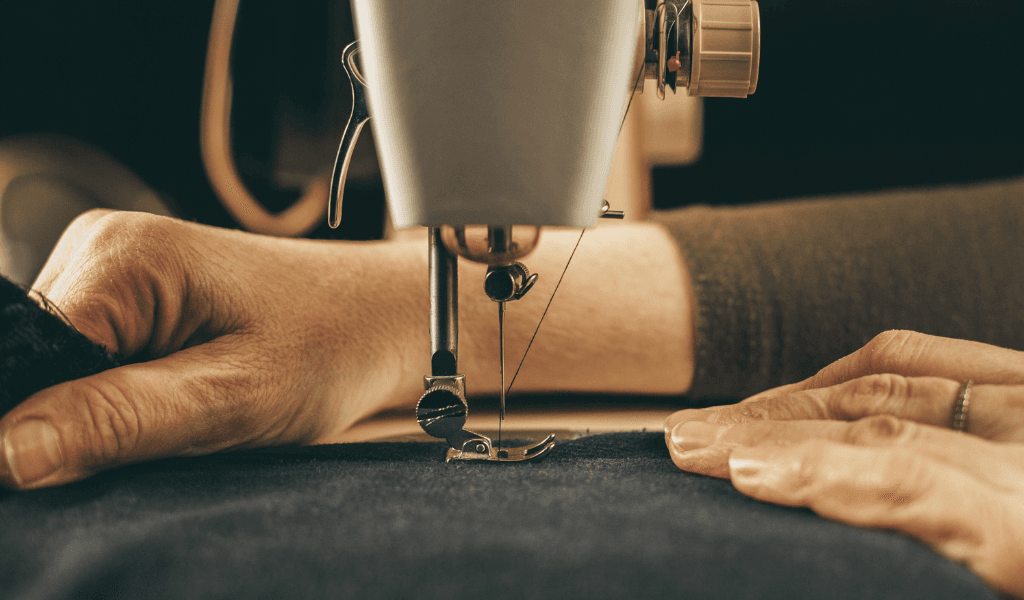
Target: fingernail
[(692, 435), (32, 449), (689, 414)]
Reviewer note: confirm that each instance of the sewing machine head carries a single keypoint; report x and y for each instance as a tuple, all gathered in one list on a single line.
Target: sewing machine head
[(495, 118)]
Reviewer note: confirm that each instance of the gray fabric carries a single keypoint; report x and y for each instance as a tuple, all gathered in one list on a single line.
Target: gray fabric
[(602, 517), (784, 289)]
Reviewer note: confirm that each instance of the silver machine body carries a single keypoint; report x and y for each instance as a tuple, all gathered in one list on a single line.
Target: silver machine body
[(495, 118)]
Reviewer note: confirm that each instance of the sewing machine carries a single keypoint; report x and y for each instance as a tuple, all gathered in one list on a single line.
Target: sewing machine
[(494, 119)]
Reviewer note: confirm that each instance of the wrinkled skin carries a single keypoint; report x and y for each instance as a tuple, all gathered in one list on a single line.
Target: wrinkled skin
[(868, 441), (235, 340), (229, 346)]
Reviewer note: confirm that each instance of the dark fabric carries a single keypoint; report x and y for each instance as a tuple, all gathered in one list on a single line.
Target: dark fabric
[(602, 517), (38, 350), (784, 289)]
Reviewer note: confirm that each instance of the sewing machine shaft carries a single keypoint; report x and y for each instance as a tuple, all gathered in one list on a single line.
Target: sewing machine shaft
[(442, 409)]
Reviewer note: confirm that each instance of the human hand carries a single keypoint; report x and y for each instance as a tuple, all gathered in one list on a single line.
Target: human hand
[(867, 441), (234, 341)]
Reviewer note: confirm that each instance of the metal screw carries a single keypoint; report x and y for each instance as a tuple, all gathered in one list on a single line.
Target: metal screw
[(481, 448)]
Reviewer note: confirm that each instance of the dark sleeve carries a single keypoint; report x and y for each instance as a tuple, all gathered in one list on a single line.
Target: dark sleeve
[(784, 289)]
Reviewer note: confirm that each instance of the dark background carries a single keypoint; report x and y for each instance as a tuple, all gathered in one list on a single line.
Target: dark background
[(852, 96), (858, 95)]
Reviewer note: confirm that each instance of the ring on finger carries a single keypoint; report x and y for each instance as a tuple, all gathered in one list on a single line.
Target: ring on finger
[(962, 407)]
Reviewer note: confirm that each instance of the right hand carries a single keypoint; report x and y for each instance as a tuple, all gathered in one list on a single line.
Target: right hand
[(868, 441), (233, 341)]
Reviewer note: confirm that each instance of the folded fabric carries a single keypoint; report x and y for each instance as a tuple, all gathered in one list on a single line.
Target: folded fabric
[(38, 349)]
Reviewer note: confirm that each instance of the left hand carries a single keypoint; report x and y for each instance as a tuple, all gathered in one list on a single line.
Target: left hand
[(867, 441)]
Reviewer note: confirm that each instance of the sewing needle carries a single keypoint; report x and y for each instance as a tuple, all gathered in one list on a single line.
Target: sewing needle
[(501, 354), (501, 359)]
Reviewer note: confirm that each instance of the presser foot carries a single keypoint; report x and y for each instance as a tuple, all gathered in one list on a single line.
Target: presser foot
[(480, 449), (441, 412)]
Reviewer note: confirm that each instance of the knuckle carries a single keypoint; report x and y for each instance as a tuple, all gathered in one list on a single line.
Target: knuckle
[(888, 352), (805, 404), (908, 479), (112, 269), (98, 242), (132, 234), (891, 351), (85, 221), (869, 395), (878, 428), (806, 477)]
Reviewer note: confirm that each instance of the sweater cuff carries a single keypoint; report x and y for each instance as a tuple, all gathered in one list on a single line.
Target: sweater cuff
[(784, 289)]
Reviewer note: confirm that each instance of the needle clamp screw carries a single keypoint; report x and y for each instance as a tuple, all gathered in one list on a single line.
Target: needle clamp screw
[(507, 283)]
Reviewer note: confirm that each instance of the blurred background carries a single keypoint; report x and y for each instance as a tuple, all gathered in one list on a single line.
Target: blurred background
[(853, 96)]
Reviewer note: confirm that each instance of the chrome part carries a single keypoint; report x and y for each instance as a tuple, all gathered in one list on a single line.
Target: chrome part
[(480, 449), (444, 307), (684, 28), (491, 244), (505, 284), (608, 213), (669, 44), (442, 409), (441, 412), (499, 239), (665, 26), (456, 382), (360, 115)]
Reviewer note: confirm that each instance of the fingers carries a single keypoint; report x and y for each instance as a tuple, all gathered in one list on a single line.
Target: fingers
[(893, 489), (877, 379), (123, 280), (702, 447), (913, 354), (923, 399), (186, 404), (996, 411)]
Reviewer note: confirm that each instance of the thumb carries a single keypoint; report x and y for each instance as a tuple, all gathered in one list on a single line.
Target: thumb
[(174, 406)]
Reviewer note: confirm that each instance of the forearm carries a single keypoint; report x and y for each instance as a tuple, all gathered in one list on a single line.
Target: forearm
[(231, 340), (620, 322)]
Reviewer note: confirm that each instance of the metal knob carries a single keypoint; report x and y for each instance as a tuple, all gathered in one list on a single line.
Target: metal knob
[(441, 412), (726, 50)]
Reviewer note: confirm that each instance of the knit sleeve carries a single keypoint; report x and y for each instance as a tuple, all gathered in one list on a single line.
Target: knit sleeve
[(783, 289)]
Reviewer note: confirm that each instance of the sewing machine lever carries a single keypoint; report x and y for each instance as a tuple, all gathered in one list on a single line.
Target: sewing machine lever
[(360, 115)]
